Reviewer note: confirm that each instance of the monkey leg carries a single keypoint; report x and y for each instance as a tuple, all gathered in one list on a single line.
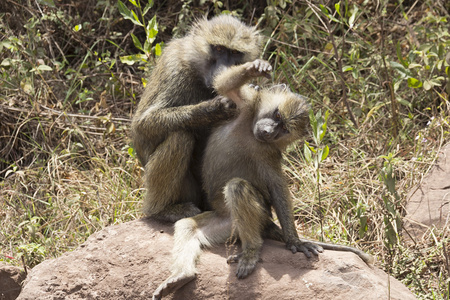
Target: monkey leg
[(249, 216), (191, 235), (273, 231), (172, 191)]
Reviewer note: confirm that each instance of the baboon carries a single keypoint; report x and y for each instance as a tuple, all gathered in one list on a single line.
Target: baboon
[(243, 179), (175, 114)]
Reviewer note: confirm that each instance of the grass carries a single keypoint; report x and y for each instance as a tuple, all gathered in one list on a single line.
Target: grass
[(67, 94)]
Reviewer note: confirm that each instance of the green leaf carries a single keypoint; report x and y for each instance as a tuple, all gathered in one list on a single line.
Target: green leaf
[(347, 68), (47, 3), (136, 19), (136, 42), (128, 14), (334, 19), (124, 11), (307, 152), (41, 68), (131, 59), (337, 6), (158, 50), (44, 68), (133, 2), (363, 226), (436, 81), (325, 153), (147, 7), (131, 152), (427, 85), (404, 102), (78, 27), (400, 69), (351, 20), (414, 83), (323, 130), (324, 9), (147, 47), (151, 30), (400, 56), (414, 65)]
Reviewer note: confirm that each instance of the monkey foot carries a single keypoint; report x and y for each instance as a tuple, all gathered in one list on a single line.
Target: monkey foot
[(234, 258), (306, 247), (172, 284), (246, 264)]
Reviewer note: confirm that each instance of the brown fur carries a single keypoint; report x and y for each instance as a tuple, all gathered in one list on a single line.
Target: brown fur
[(175, 114), (243, 179)]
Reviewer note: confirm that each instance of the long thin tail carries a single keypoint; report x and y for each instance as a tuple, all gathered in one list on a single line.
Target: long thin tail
[(367, 258)]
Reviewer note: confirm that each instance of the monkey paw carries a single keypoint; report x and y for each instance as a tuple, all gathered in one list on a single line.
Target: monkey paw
[(224, 107), (258, 68), (172, 284), (246, 265), (255, 87), (306, 247), (227, 103)]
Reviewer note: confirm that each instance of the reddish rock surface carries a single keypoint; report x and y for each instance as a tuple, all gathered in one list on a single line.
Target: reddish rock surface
[(129, 261), (429, 203), (11, 278)]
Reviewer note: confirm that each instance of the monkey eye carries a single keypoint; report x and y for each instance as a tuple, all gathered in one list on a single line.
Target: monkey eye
[(235, 52), (219, 49), (285, 128), (277, 115)]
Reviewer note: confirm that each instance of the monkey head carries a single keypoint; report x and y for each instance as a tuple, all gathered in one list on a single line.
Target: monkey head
[(224, 41), (283, 117)]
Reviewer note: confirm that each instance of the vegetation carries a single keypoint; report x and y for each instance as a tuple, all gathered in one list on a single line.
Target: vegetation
[(71, 73)]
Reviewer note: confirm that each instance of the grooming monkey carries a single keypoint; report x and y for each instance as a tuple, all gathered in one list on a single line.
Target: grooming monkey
[(174, 116), (243, 179)]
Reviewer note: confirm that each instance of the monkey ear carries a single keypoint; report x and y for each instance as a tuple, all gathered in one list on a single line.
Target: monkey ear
[(280, 87)]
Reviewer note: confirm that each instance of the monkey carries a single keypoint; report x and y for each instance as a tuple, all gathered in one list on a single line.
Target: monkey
[(178, 108), (243, 179)]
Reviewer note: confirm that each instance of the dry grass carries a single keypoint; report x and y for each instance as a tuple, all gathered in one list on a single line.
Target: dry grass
[(66, 163)]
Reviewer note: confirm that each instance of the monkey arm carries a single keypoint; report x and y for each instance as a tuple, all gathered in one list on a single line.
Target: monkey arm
[(230, 82), (159, 121), (283, 207)]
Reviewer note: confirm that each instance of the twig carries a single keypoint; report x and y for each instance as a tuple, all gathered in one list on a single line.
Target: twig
[(53, 112), (326, 24), (388, 81)]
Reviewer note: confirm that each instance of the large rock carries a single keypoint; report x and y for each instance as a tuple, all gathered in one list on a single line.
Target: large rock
[(11, 278), (429, 203), (129, 261)]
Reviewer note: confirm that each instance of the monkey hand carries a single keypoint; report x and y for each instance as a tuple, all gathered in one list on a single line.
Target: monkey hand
[(307, 248), (258, 68), (224, 107)]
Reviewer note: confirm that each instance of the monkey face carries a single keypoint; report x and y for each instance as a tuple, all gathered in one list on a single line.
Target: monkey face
[(282, 117), (221, 58), (270, 128)]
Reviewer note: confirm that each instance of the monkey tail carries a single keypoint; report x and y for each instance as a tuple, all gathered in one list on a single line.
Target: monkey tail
[(192, 235), (367, 258), (187, 247)]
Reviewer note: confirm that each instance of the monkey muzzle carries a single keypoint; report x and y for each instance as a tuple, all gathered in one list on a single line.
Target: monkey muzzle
[(266, 130)]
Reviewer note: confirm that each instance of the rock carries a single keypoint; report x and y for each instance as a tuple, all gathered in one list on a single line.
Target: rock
[(429, 203), (11, 278), (130, 260)]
